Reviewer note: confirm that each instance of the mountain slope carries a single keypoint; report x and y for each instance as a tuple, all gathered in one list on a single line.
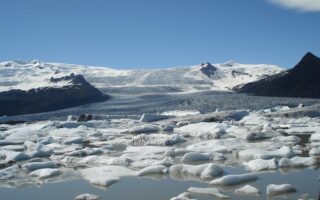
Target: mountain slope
[(301, 81), (28, 75), (74, 91)]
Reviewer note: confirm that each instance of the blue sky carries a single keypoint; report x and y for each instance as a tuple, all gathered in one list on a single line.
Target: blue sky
[(159, 33)]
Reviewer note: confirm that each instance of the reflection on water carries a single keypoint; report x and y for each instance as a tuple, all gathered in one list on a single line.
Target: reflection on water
[(162, 188)]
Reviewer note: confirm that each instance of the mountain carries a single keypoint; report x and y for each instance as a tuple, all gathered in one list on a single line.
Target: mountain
[(64, 92), (27, 75), (301, 81)]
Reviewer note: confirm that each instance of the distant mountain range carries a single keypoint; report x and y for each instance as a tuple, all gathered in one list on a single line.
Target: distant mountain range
[(32, 87), (225, 76), (301, 81)]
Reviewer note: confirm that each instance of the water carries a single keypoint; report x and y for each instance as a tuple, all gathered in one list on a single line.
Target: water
[(136, 188)]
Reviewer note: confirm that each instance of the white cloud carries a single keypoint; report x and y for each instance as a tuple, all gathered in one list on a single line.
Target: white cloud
[(301, 5)]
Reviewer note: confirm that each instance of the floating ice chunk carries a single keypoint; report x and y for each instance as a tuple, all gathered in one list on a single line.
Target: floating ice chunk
[(152, 117), (227, 145), (288, 140), (25, 131), (38, 165), (13, 155), (157, 140), (297, 162), (37, 150), (315, 137), (205, 171), (182, 123), (155, 169), (273, 189), (86, 197), (105, 175), (146, 128), (73, 140), (10, 142), (204, 130), (247, 190), (256, 136), (260, 164), (9, 172), (234, 179), (315, 151), (181, 113), (176, 152), (183, 196), (167, 127), (13, 147), (196, 156), (46, 140), (212, 170), (249, 154), (85, 152), (303, 130), (208, 191), (45, 173)]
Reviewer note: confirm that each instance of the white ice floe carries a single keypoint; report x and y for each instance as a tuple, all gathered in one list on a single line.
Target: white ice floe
[(183, 196), (249, 154), (144, 156), (288, 140), (45, 172), (152, 170), (73, 140), (261, 164), (315, 151), (38, 165), (157, 140), (85, 152), (167, 127), (181, 113), (9, 172), (146, 128), (105, 175), (13, 155), (234, 179), (147, 117), (315, 137), (273, 189), (37, 150), (176, 152), (303, 130), (208, 191), (86, 197), (297, 162), (228, 145), (247, 190), (197, 156), (212, 170), (205, 171), (204, 130)]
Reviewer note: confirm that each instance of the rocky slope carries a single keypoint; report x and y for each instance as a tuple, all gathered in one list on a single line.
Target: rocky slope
[(73, 91), (301, 81)]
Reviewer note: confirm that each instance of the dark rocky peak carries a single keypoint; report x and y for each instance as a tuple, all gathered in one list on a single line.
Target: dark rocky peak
[(309, 61), (301, 81), (72, 78), (208, 69)]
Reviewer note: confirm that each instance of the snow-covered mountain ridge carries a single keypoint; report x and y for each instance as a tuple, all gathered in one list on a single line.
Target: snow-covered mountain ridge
[(35, 74)]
